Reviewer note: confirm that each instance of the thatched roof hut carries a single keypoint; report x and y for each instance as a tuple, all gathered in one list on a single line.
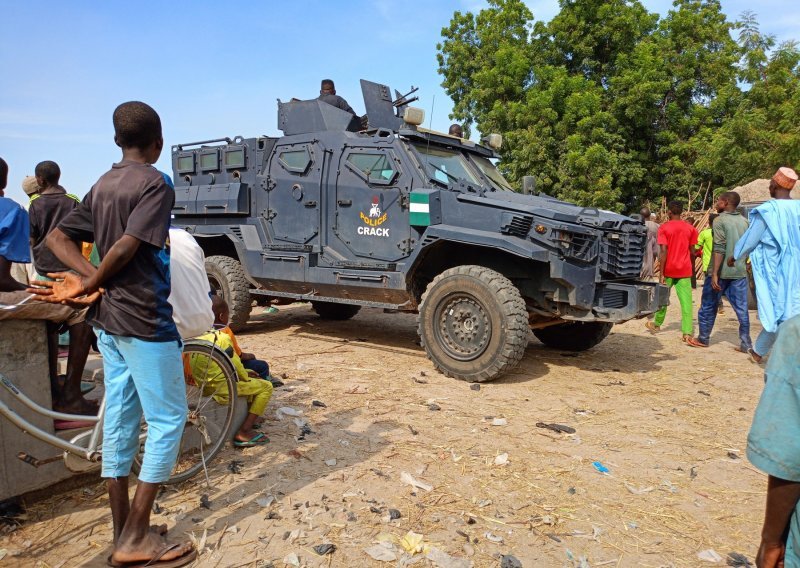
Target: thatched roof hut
[(758, 190)]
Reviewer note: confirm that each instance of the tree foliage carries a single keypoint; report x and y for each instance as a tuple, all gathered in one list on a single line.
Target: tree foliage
[(609, 105)]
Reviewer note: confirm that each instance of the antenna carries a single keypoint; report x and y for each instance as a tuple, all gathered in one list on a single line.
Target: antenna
[(430, 124)]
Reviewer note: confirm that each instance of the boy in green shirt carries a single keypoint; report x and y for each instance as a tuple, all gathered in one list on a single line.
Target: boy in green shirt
[(722, 279)]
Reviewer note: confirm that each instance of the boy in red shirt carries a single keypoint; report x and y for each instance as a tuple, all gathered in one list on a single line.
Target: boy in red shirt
[(676, 241)]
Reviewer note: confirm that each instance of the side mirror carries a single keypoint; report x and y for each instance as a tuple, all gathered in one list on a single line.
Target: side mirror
[(528, 185)]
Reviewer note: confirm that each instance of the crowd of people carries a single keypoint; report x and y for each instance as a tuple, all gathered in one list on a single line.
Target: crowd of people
[(109, 268)]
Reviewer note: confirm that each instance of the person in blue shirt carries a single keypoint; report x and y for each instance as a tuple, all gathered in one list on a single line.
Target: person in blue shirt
[(773, 243), (773, 446)]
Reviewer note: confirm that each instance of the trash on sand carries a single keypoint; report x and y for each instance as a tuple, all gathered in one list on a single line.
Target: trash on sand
[(499, 422), (493, 537), (291, 559), (668, 484), (632, 525), (204, 502), (502, 459), (287, 411), (709, 555), (412, 542), (319, 403), (383, 552), (434, 406), (265, 501), (475, 387), (326, 548), (199, 544), (331, 462), (733, 455), (509, 561), (394, 514), (559, 428), (738, 560), (235, 466), (638, 491), (407, 478), (600, 467), (444, 560)]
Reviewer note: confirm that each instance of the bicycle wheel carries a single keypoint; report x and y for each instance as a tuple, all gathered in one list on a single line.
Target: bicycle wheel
[(210, 378)]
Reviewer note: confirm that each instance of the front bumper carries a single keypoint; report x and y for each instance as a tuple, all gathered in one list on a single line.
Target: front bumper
[(618, 302)]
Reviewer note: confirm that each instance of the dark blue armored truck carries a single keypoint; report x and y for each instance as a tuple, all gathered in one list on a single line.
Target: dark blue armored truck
[(347, 212)]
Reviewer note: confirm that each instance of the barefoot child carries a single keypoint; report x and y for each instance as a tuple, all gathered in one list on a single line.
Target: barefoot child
[(250, 385)]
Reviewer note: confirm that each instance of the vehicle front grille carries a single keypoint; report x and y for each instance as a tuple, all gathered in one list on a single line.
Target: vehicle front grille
[(614, 299), (622, 253)]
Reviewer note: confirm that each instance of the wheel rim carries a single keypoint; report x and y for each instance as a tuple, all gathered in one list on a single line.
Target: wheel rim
[(216, 287), (463, 327)]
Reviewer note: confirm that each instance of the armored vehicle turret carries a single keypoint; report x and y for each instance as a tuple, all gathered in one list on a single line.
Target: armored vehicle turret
[(347, 211)]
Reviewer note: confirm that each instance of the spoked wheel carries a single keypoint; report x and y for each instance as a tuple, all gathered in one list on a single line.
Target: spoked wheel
[(210, 377)]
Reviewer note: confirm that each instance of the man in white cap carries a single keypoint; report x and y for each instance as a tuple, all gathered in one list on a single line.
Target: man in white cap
[(773, 243), (30, 186)]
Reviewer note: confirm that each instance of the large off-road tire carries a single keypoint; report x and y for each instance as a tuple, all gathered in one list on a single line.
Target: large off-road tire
[(227, 279), (574, 336), (334, 311), (473, 323)]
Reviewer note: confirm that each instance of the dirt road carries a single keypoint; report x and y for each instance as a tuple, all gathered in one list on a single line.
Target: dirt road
[(669, 423)]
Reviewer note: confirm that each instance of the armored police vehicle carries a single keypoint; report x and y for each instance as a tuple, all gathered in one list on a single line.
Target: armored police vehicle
[(347, 212)]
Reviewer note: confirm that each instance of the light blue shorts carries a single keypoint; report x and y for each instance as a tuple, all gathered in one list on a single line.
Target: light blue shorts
[(142, 377)]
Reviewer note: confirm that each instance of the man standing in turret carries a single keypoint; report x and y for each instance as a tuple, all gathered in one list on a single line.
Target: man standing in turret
[(327, 94)]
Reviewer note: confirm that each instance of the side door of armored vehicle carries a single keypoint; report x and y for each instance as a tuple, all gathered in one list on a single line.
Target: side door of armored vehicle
[(293, 201), (370, 219)]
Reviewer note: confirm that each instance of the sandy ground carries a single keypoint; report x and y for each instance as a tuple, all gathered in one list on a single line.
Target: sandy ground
[(668, 421)]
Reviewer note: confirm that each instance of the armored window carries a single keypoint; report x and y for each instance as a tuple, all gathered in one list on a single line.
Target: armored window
[(296, 161), (209, 160), (185, 164), (234, 158), (375, 168)]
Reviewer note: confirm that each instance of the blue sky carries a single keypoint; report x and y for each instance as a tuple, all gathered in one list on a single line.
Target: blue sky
[(214, 69)]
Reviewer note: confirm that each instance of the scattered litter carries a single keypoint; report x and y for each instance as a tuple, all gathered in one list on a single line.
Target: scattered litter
[(559, 428), (693, 472), (199, 544), (475, 387), (413, 430), (709, 555), (420, 381), (235, 466), (444, 560), (412, 542), (509, 561), (600, 467), (233, 530), (499, 422), (394, 514), (704, 393), (571, 491), (331, 462), (406, 478), (291, 559), (324, 549), (733, 455), (493, 537), (638, 491), (484, 503), (383, 552), (502, 459), (287, 411), (738, 560), (344, 442), (297, 454), (319, 404), (3, 553), (669, 485), (204, 502), (358, 389), (632, 525), (434, 406)]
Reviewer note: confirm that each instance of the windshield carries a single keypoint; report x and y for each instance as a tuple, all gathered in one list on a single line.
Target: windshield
[(490, 171), (445, 166)]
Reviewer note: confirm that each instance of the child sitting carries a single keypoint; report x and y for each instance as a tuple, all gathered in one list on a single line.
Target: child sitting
[(249, 361), (212, 380)]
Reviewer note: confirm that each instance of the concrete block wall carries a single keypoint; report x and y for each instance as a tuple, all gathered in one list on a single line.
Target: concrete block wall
[(23, 359)]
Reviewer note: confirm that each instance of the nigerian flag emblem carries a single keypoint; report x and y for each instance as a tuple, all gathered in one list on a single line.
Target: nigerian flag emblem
[(420, 209)]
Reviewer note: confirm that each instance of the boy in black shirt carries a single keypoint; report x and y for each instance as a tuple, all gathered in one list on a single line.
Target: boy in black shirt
[(48, 207), (127, 215)]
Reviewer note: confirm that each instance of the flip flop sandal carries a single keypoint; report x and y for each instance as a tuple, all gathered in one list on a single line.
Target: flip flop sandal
[(187, 558), (755, 357), (652, 328), (692, 342), (258, 440)]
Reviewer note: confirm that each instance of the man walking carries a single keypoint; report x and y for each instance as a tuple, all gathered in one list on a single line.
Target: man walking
[(723, 279), (676, 241), (650, 245), (773, 243)]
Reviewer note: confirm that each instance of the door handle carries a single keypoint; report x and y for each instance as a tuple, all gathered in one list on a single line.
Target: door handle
[(345, 202), (310, 203)]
